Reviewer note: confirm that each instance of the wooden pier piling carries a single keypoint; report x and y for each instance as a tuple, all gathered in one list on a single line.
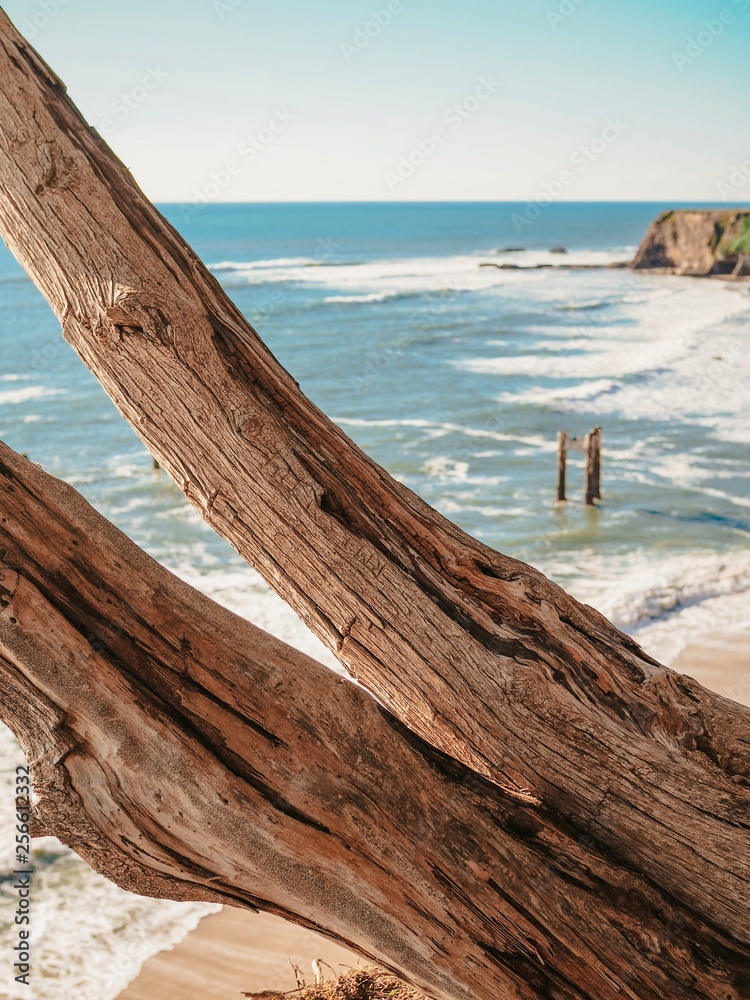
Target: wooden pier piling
[(562, 461), (591, 446), (592, 487)]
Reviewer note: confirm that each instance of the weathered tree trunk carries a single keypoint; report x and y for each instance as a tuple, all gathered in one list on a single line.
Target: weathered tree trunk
[(477, 653), (185, 753)]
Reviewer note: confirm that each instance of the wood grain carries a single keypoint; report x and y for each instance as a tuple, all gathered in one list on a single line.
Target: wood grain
[(185, 753), (476, 654)]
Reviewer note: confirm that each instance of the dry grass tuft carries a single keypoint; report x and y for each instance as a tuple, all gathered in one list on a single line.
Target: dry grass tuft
[(370, 983)]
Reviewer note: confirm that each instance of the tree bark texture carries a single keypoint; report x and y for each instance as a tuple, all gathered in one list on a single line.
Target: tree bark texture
[(185, 753), (477, 654)]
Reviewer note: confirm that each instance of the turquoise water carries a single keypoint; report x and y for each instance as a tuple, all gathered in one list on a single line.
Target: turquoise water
[(456, 378)]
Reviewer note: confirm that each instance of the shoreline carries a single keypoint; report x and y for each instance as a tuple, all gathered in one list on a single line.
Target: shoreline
[(236, 950), (625, 265)]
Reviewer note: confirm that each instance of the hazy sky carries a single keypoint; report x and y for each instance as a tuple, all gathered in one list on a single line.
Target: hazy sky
[(249, 100)]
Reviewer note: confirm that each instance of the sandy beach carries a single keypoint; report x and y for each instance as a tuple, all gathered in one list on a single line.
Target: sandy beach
[(720, 661), (235, 951)]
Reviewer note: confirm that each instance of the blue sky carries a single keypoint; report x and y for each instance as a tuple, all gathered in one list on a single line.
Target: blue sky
[(249, 100)]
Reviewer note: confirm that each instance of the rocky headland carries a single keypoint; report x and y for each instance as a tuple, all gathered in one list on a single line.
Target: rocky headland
[(700, 242)]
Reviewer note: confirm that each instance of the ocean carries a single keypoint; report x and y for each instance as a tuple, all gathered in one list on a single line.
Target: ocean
[(457, 379)]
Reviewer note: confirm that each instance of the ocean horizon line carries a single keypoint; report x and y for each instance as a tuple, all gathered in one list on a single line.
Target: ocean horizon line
[(524, 201)]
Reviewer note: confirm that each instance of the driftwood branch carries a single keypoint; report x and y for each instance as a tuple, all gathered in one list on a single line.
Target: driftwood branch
[(185, 753), (477, 654)]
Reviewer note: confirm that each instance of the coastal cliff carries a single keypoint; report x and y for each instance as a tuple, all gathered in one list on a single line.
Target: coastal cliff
[(699, 242)]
